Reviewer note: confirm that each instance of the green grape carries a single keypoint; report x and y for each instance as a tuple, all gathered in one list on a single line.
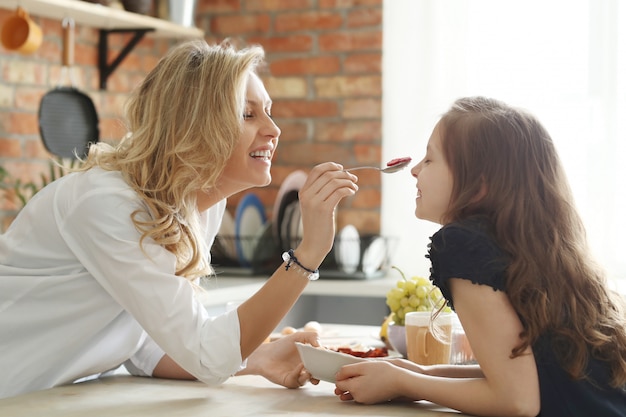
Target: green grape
[(393, 305), (413, 294), (422, 291)]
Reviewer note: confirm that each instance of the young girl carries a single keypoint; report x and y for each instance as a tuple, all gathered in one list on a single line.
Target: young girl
[(512, 260), (99, 268)]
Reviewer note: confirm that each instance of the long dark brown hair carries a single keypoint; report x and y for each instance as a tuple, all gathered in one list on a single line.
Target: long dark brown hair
[(552, 280)]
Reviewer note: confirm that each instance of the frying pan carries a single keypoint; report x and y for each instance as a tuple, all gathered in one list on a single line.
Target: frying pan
[(68, 121)]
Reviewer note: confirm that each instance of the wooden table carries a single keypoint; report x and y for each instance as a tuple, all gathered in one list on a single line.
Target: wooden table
[(123, 395)]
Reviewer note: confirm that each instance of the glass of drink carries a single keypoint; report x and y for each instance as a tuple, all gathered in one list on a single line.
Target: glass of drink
[(428, 340)]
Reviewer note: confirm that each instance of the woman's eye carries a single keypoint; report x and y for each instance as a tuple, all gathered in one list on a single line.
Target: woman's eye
[(248, 115)]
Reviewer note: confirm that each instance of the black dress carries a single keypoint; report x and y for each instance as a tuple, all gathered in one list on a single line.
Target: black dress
[(467, 250)]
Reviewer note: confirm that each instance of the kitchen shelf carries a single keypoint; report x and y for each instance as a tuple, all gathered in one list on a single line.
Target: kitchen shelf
[(102, 17), (108, 20)]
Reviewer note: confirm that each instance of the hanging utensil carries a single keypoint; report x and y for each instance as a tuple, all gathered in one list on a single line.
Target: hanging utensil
[(68, 121)]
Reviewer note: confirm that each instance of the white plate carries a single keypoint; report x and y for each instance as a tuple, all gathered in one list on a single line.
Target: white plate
[(348, 251), (374, 256), (249, 220), (322, 363)]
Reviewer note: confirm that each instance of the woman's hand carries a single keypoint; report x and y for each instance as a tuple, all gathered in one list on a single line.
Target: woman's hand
[(327, 184), (279, 361)]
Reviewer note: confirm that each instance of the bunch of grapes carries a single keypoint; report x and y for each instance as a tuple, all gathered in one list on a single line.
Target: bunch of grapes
[(414, 294)]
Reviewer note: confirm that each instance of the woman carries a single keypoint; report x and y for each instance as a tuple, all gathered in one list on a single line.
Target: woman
[(512, 260), (98, 269)]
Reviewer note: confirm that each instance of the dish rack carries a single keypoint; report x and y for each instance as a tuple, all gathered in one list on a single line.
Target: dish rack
[(267, 258)]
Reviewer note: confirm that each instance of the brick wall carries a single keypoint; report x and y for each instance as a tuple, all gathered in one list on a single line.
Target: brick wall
[(323, 73)]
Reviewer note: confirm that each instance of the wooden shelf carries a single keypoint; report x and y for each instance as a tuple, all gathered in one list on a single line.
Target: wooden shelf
[(108, 20), (102, 17)]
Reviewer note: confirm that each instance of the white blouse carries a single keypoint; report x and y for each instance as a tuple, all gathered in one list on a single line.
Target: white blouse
[(78, 296)]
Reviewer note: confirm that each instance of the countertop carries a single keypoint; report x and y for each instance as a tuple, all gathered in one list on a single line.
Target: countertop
[(220, 288), (127, 396)]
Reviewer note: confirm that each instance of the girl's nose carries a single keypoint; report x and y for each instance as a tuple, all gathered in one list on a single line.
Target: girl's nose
[(415, 170)]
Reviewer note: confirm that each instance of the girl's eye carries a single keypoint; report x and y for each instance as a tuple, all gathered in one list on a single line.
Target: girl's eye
[(248, 115)]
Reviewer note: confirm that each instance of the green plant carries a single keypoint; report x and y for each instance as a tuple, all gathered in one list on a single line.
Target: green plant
[(24, 191)]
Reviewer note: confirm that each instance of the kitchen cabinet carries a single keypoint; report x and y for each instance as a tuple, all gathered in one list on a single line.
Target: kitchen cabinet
[(326, 300), (108, 20)]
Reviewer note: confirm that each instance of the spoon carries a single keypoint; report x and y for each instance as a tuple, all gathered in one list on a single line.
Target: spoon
[(394, 165)]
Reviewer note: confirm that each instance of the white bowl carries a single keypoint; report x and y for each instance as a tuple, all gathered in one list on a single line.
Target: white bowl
[(322, 363), (397, 338)]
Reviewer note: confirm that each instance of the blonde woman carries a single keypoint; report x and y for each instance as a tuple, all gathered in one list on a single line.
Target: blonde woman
[(98, 269)]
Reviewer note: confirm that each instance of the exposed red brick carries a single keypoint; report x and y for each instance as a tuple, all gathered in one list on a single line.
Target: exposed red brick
[(314, 48), (367, 178), (23, 124), (305, 108), (346, 4), (275, 5), (362, 108), (312, 20), (366, 198), (111, 129), (240, 24), (311, 154), (275, 44), (86, 55), (10, 148), (363, 63), (217, 6), (292, 131), (29, 98), (305, 66), (36, 149), (349, 86), (351, 41), (366, 221), (367, 155), (349, 131), (364, 17)]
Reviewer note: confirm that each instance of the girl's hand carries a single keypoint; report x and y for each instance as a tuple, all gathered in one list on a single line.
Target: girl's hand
[(327, 184), (279, 361), (369, 382)]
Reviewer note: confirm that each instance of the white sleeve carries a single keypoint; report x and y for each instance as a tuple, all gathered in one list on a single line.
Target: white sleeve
[(98, 229), (147, 357)]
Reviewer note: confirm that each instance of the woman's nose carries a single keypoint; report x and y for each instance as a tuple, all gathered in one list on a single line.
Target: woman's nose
[(272, 128)]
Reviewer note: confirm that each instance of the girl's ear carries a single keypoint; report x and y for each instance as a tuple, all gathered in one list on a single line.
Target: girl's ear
[(482, 192)]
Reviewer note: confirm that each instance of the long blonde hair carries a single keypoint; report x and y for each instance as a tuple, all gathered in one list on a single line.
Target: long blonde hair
[(184, 120), (552, 281)]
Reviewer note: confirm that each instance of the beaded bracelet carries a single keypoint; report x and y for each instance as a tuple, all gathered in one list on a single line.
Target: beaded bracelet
[(291, 259)]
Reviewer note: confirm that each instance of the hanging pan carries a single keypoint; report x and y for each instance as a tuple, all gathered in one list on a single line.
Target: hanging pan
[(68, 121)]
